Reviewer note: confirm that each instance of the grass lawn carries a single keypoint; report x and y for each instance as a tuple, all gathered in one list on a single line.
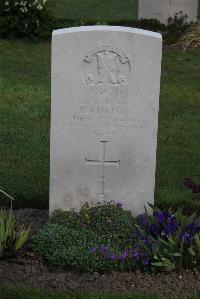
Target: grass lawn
[(34, 294), (25, 122), (178, 138), (95, 10), (25, 111)]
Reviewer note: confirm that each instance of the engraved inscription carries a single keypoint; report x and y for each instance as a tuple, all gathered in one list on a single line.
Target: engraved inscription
[(102, 162), (107, 109), (105, 116), (106, 70)]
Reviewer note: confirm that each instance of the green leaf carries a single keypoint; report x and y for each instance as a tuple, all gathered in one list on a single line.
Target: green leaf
[(197, 241), (158, 264), (10, 239), (177, 254), (191, 251), (171, 240)]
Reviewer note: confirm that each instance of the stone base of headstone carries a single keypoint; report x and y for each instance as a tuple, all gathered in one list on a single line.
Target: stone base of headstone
[(162, 10)]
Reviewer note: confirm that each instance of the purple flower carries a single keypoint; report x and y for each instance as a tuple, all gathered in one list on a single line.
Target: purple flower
[(113, 257), (119, 204), (124, 256), (160, 216), (93, 250), (171, 227), (143, 220), (154, 229), (147, 241), (137, 255), (193, 227), (146, 262), (105, 250), (190, 230), (186, 237)]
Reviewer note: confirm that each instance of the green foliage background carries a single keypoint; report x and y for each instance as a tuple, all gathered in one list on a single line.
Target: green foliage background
[(104, 10), (25, 124), (98, 11)]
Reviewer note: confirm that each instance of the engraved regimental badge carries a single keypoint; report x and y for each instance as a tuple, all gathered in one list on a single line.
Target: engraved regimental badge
[(106, 70)]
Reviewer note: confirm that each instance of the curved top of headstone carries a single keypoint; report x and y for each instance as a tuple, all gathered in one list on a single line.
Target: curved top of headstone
[(107, 28)]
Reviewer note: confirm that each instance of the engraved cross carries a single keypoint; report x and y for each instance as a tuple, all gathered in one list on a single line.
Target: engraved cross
[(102, 161)]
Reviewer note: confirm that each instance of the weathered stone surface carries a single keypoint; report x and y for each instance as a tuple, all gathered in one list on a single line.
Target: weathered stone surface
[(162, 10), (104, 116)]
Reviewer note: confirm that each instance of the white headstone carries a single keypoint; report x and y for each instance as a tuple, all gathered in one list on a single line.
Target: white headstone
[(104, 116), (162, 10)]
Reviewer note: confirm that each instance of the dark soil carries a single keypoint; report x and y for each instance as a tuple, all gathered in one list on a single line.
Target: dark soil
[(28, 269)]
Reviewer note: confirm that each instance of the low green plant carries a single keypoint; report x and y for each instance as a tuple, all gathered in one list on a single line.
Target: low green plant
[(84, 213), (191, 38), (105, 238), (175, 28), (170, 239), (69, 238), (12, 238), (24, 19), (6, 194)]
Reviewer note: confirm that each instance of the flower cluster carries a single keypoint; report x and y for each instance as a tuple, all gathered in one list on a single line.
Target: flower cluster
[(160, 225), (135, 254), (112, 203), (24, 5), (162, 232), (190, 231), (24, 18), (188, 183), (111, 239)]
